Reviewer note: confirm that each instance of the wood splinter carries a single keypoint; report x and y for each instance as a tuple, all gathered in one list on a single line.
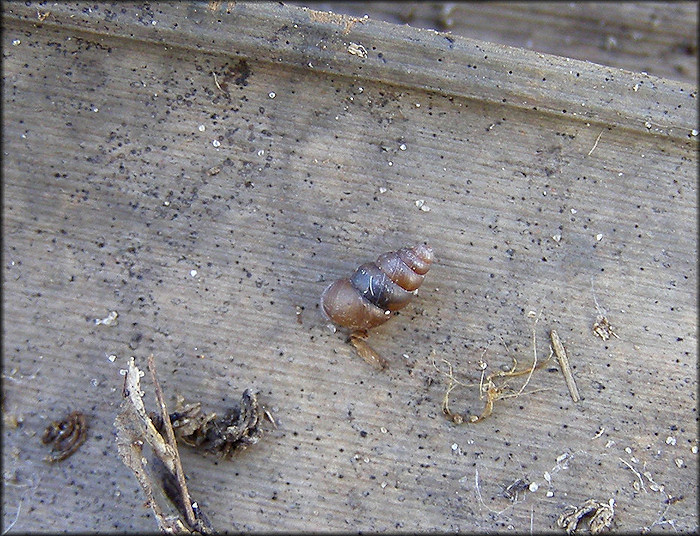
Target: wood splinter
[(563, 359)]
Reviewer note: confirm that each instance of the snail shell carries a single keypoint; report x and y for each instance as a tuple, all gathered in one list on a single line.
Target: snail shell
[(377, 289)]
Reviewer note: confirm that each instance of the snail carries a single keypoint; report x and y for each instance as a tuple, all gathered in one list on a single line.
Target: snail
[(374, 292)]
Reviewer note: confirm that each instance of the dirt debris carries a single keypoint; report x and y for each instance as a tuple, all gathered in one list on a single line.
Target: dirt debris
[(65, 436), (161, 475), (603, 329), (239, 428), (600, 516)]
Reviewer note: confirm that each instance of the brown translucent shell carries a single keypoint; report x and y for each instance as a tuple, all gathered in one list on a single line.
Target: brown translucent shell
[(376, 289)]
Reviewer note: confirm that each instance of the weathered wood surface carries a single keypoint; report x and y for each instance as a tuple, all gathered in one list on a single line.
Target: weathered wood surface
[(659, 38), (209, 211)]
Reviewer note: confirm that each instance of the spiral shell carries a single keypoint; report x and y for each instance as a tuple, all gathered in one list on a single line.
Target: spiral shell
[(377, 289)]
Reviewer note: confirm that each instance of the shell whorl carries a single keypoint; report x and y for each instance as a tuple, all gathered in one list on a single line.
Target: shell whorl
[(376, 289)]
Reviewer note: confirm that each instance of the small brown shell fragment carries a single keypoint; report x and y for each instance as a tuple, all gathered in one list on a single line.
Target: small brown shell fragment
[(65, 436), (368, 298)]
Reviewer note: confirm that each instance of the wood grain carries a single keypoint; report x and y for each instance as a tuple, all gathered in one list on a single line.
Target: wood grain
[(659, 38), (210, 212)]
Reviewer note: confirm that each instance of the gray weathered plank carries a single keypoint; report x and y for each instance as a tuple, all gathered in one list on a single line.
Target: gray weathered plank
[(656, 37), (117, 198)]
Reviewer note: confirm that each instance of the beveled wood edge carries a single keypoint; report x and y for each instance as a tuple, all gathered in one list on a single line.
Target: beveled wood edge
[(402, 56)]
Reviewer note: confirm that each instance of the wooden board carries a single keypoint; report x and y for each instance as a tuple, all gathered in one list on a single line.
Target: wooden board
[(659, 38), (205, 170)]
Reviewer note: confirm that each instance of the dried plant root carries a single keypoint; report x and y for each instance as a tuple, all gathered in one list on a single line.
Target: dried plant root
[(492, 387), (234, 431), (601, 516)]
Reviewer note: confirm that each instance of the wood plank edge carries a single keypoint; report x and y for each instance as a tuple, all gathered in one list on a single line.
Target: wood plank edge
[(402, 56)]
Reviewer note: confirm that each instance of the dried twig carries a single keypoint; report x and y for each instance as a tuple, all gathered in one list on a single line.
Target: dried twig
[(170, 438), (134, 429), (563, 359)]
